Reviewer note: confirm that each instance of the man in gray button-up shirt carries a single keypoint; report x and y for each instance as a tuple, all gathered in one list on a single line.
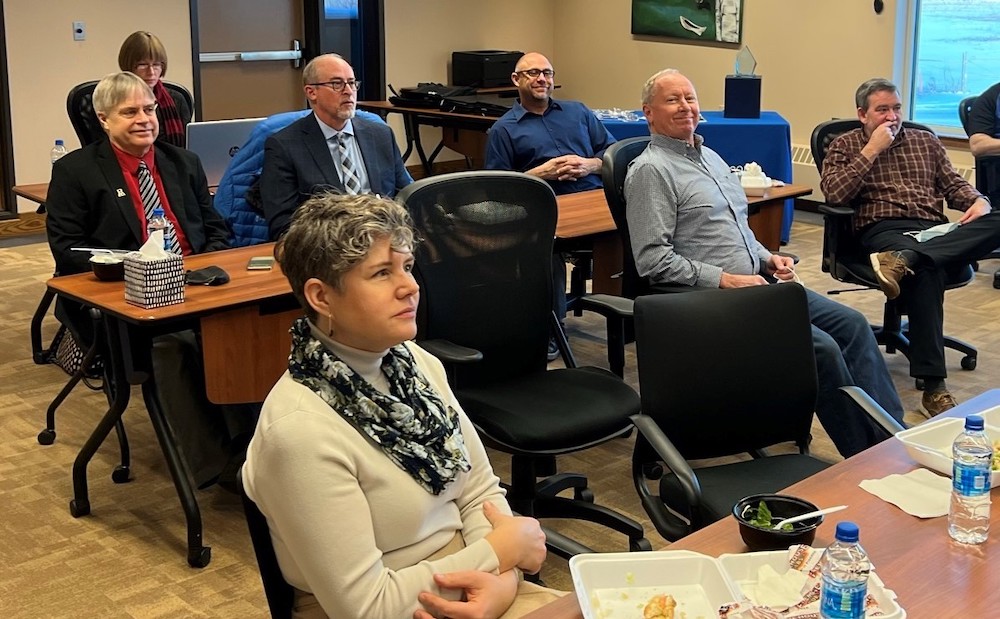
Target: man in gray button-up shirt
[(687, 218)]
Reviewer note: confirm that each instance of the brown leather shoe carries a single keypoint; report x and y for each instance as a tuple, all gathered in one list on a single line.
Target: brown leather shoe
[(889, 268), (936, 402)]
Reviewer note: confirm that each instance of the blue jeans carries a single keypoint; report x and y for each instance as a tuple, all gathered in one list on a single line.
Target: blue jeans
[(847, 354)]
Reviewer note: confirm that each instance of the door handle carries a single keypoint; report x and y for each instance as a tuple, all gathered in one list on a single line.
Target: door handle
[(294, 54)]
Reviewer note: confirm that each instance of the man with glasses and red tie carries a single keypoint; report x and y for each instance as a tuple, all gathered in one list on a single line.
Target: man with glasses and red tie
[(102, 196), (331, 149)]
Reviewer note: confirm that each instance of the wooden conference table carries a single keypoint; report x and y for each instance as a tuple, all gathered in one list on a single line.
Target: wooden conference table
[(586, 214), (932, 575)]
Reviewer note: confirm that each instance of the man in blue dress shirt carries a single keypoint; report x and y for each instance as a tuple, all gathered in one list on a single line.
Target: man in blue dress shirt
[(561, 142)]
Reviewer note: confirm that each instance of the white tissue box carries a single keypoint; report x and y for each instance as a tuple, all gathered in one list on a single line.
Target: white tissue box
[(154, 283)]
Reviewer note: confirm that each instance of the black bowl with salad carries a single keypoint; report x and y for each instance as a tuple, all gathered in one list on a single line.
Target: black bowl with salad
[(757, 514)]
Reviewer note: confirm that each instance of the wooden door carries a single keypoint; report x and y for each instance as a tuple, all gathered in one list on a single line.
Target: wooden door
[(241, 88)]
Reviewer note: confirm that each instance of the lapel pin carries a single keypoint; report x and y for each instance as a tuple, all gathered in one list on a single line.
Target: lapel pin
[(120, 192)]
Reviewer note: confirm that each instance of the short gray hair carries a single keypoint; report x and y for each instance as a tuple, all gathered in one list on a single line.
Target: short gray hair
[(115, 88), (311, 72), (332, 233), (867, 89), (649, 88)]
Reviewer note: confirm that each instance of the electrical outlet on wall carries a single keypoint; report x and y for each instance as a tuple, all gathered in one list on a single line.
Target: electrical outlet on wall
[(79, 31)]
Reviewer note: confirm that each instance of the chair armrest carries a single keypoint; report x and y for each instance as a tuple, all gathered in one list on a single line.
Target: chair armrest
[(607, 305), (449, 352), (865, 402), (668, 524), (836, 211)]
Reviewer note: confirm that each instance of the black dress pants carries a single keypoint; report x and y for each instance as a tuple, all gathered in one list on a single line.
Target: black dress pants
[(922, 294)]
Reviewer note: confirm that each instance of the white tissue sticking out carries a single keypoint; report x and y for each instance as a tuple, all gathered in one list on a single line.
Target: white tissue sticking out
[(152, 249)]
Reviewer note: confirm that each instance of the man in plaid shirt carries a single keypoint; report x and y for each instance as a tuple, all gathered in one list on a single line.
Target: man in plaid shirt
[(894, 179)]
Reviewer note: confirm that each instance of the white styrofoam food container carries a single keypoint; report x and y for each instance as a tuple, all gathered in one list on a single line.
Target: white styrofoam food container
[(930, 442), (696, 581), (742, 571), (700, 584)]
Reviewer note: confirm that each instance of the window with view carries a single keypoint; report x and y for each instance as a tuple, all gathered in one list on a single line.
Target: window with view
[(955, 54)]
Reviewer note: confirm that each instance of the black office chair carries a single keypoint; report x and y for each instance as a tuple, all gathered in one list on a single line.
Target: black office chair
[(485, 274), (80, 108), (987, 173), (846, 260), (280, 595), (738, 404)]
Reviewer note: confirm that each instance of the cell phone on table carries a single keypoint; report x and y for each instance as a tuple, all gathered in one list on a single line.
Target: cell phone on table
[(260, 263)]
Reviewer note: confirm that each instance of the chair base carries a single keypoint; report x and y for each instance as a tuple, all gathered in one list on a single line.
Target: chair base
[(530, 497)]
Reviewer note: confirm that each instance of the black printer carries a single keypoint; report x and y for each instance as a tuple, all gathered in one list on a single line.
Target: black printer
[(485, 68)]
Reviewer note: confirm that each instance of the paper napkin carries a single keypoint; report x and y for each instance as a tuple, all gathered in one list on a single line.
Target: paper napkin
[(919, 493)]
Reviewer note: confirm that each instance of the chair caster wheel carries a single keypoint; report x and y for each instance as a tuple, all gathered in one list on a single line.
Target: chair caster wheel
[(78, 509), (639, 545), (919, 384), (968, 363), (47, 436), (200, 557), (584, 494), (121, 474)]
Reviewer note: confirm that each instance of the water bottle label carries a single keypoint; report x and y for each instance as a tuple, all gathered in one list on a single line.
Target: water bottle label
[(843, 600), (970, 481)]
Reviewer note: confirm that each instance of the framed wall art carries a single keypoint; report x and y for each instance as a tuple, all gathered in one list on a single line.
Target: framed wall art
[(710, 21)]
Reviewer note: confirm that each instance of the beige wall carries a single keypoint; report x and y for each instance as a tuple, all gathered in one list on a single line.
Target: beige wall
[(418, 52), (44, 62)]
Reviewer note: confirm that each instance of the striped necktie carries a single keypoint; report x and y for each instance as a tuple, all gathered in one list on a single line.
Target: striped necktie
[(352, 184), (150, 202)]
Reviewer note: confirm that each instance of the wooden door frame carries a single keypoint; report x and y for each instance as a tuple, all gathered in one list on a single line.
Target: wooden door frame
[(7, 199)]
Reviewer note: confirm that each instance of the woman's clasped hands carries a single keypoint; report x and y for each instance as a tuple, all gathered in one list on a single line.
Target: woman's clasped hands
[(518, 542)]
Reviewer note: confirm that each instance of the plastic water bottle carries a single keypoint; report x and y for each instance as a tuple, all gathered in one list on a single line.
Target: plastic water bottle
[(159, 222), (845, 567), (969, 516), (58, 151)]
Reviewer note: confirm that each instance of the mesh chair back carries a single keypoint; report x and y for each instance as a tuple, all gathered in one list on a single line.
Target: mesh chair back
[(80, 108), (825, 133), (617, 158), (484, 267), (758, 390)]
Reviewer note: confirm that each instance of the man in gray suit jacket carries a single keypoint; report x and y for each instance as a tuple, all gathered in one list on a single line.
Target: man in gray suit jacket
[(306, 157)]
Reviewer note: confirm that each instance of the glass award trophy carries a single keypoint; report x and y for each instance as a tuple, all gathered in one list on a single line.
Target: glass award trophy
[(742, 98)]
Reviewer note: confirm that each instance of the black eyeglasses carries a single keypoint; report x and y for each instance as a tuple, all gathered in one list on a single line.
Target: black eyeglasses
[(533, 73), (339, 85)]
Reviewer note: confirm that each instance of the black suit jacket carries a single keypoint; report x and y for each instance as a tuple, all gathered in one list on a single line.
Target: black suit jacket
[(297, 164), (88, 204)]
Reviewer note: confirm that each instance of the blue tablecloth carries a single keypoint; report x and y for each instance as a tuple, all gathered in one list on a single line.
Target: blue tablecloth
[(766, 140)]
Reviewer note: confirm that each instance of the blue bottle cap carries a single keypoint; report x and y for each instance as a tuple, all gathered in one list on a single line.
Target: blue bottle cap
[(974, 422), (847, 531), (158, 212), (59, 142)]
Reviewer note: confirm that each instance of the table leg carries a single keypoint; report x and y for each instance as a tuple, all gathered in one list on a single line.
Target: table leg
[(198, 555), (766, 223), (120, 393), (414, 131)]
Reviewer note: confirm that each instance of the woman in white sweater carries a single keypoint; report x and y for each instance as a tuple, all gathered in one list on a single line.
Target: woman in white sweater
[(378, 493)]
